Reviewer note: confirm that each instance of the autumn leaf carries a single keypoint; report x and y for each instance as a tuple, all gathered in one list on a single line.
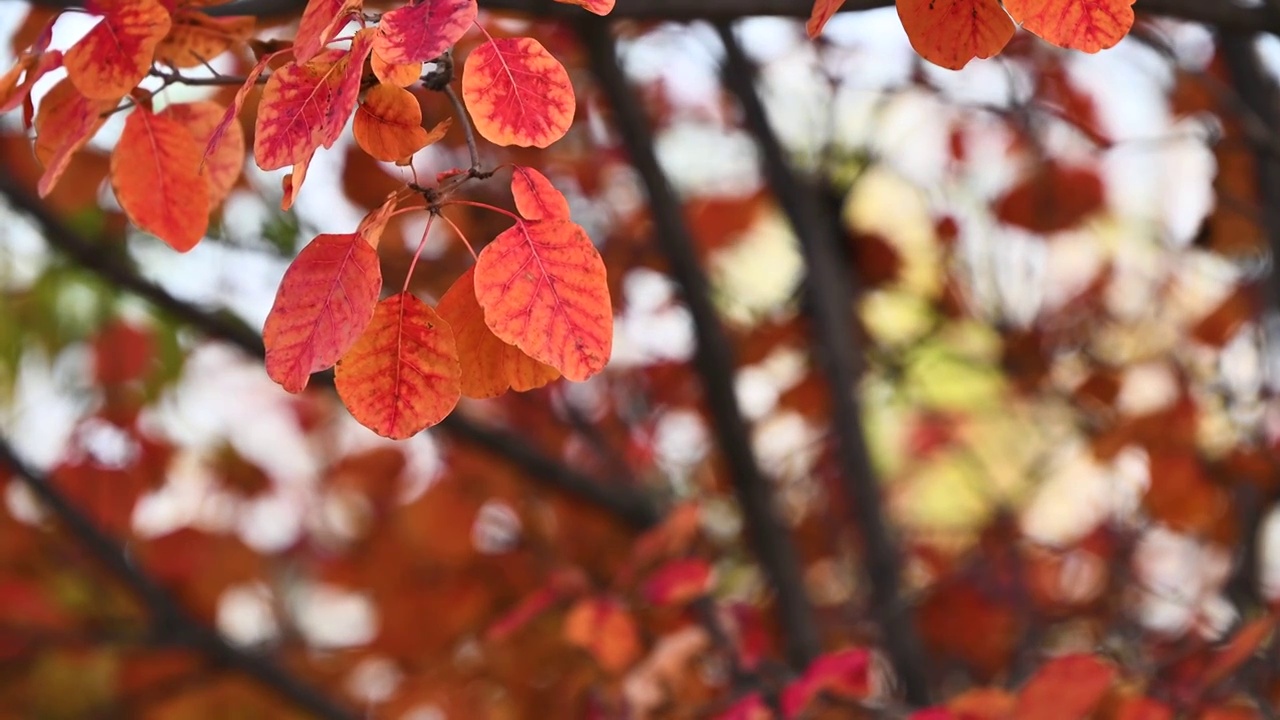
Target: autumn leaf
[(543, 288), (599, 7), (154, 170), (291, 183), (1066, 688), (1085, 25), (402, 376), (1052, 198), (843, 674), (606, 630), (15, 85), (398, 74), (325, 301), (536, 198), (195, 38), (822, 12), (388, 124), (109, 61), (950, 33), (321, 21), (65, 121), (223, 168), (489, 366), (678, 582), (306, 106), (517, 93), (421, 32), (213, 148)]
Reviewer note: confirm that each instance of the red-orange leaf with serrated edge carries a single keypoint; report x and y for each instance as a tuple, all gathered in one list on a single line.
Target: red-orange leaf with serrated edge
[(421, 32), (536, 198), (398, 74), (213, 147), (195, 38), (65, 121), (306, 106), (823, 10), (223, 168), (489, 366), (599, 7), (154, 170), (950, 33), (321, 21), (388, 124), (543, 289), (1086, 25), (402, 376), (324, 303), (111, 58), (1066, 688), (517, 93)]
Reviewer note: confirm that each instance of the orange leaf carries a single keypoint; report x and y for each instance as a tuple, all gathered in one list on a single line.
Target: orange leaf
[(1246, 643), (214, 146), (223, 168), (678, 582), (1053, 197), (543, 289), (195, 38), (1086, 25), (1141, 708), (489, 366), (154, 170), (398, 74), (402, 375), (15, 85), (324, 303), (291, 184), (599, 7), (950, 33), (517, 93), (372, 225), (65, 122), (983, 704), (388, 124), (536, 198), (109, 61), (421, 32), (1066, 688), (823, 10), (306, 106), (607, 630), (321, 21)]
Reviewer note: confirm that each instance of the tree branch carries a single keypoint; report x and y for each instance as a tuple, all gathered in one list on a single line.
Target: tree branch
[(835, 349), (169, 617), (713, 359)]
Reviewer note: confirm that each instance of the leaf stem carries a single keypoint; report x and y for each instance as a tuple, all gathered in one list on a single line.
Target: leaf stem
[(486, 206), (465, 241), (417, 252)]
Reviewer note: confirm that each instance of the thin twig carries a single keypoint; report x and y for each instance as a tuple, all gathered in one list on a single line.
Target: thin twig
[(460, 112), (837, 353), (713, 359), (175, 78)]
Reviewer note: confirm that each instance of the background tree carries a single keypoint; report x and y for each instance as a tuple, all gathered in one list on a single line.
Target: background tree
[(939, 382)]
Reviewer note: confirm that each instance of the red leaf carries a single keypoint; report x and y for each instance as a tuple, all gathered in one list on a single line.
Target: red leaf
[(599, 7), (306, 106), (109, 61), (291, 184), (15, 86), (751, 707), (1052, 198), (1140, 708), (1066, 688), (402, 375), (155, 176), (845, 674), (214, 146), (388, 124), (421, 32), (398, 74), (950, 33), (606, 630), (1087, 25), (65, 122), (517, 93), (536, 198), (325, 301), (122, 353), (823, 10), (678, 582), (223, 167), (321, 21), (196, 38), (1247, 641), (543, 289)]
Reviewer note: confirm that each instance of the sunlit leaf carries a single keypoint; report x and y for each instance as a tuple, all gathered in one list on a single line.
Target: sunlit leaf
[(154, 170), (517, 93), (109, 61), (1066, 688), (321, 21), (422, 31), (543, 289), (950, 33), (223, 167), (822, 12), (325, 301), (388, 124), (291, 184), (402, 376), (398, 74), (536, 198), (1086, 25), (216, 138), (195, 38), (65, 121), (599, 7), (606, 630), (15, 85)]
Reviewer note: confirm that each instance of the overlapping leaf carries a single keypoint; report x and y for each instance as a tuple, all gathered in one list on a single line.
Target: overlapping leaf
[(822, 12), (422, 31), (489, 366), (950, 33), (195, 38), (536, 198), (154, 170), (15, 85), (109, 61), (1086, 25), (65, 121), (599, 7), (306, 106), (398, 74), (402, 375), (216, 138), (543, 288), (321, 21), (223, 167), (388, 124), (324, 303), (517, 93)]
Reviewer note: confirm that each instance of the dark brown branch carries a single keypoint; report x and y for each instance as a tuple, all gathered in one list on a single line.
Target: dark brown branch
[(831, 296), (171, 621), (627, 503), (713, 359)]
